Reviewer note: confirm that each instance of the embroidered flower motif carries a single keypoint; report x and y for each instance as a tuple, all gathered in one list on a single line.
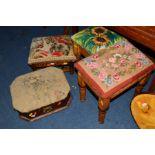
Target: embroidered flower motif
[(145, 61), (139, 55), (88, 60), (98, 30), (122, 61), (138, 64), (100, 40), (95, 56), (112, 60), (128, 47), (117, 46), (108, 81), (92, 65), (116, 76), (102, 75), (125, 56), (117, 55)]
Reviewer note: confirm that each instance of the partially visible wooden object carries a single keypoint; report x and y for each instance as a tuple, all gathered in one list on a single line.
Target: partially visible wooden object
[(144, 35), (66, 66), (141, 85), (82, 85), (103, 105), (67, 28), (145, 119)]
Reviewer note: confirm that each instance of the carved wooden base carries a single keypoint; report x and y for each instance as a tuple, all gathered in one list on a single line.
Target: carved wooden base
[(66, 66), (141, 85), (82, 85), (103, 105)]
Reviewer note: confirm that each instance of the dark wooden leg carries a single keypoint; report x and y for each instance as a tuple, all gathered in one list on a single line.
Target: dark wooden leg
[(66, 30), (82, 85), (152, 86), (103, 105), (71, 68), (76, 51), (74, 29), (141, 85)]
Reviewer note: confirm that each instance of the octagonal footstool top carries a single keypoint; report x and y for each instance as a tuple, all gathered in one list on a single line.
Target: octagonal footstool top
[(37, 89), (113, 69)]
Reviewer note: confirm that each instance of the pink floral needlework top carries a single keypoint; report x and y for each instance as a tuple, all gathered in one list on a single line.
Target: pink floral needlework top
[(113, 66)]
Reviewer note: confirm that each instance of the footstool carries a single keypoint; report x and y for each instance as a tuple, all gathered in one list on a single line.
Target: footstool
[(52, 51), (143, 110), (111, 71), (92, 39), (40, 93)]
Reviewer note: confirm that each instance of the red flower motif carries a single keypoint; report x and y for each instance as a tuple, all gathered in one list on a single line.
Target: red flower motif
[(57, 53), (138, 64), (117, 46), (43, 53), (62, 41), (95, 56), (40, 46), (116, 76)]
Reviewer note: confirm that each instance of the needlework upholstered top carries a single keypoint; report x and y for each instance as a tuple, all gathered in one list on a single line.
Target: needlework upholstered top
[(39, 88), (109, 70), (94, 39), (51, 48)]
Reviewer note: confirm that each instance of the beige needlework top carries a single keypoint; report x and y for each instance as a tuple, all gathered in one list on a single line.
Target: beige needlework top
[(51, 48), (37, 89)]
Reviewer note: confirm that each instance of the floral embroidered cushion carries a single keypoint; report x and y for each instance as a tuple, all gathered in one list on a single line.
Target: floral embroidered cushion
[(38, 89), (94, 39), (51, 48), (112, 69)]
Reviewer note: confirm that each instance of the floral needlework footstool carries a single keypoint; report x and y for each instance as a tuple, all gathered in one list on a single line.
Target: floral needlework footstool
[(91, 40), (40, 93), (51, 51), (111, 71)]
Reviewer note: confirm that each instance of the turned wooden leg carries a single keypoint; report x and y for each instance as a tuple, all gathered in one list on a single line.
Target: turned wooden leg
[(141, 85), (74, 29), (71, 68), (82, 85), (66, 30), (152, 85), (103, 105), (76, 51)]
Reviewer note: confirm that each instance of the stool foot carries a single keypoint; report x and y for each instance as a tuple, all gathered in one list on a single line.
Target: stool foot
[(141, 85), (103, 105), (82, 86)]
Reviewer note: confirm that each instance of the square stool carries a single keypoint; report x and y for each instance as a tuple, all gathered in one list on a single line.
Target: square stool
[(111, 71), (52, 51), (40, 93), (91, 40)]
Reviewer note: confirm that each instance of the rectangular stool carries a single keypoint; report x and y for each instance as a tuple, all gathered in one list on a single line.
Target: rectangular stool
[(111, 71), (52, 51), (92, 39)]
